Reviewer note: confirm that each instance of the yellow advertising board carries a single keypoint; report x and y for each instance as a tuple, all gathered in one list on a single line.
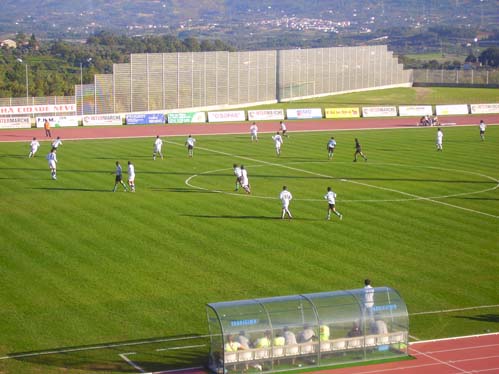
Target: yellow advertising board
[(342, 112)]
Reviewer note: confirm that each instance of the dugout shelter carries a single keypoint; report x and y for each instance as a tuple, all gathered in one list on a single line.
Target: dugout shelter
[(330, 328)]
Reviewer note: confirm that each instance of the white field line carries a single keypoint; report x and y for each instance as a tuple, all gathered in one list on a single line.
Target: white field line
[(130, 362), (188, 183), (454, 310), (97, 347), (178, 370), (346, 180), (180, 347)]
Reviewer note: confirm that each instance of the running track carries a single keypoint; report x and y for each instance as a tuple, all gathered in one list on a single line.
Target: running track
[(67, 133)]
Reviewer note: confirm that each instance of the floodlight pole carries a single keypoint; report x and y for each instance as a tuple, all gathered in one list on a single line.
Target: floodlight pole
[(81, 88)]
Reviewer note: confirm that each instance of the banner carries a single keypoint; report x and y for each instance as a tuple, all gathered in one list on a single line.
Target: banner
[(309, 113), (484, 108), (379, 111), (32, 109), (145, 119), (102, 120), (415, 110), (342, 112), (264, 115), (58, 121), (234, 115), (15, 123), (443, 110), (187, 117)]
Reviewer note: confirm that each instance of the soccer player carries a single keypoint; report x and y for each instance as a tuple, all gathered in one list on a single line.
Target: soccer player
[(131, 176), (56, 143), (368, 299), (237, 174), (158, 144), (440, 139), (277, 138), (52, 159), (254, 132), (34, 145), (190, 145), (119, 177), (482, 127), (331, 200), (244, 180), (285, 197), (358, 151), (331, 145), (284, 129)]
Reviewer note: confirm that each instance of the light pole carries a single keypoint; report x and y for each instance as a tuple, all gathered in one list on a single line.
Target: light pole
[(27, 81), (88, 60)]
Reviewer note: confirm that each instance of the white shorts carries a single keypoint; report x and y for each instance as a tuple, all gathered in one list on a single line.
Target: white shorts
[(52, 164)]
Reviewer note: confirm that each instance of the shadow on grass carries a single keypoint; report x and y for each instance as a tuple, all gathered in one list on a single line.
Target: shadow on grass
[(494, 318), (69, 189), (248, 217), (155, 354)]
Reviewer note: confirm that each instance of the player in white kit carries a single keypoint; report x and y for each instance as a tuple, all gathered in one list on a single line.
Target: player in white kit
[(285, 197), (131, 176), (277, 138), (52, 159), (158, 144), (331, 200), (440, 139), (244, 180), (33, 146), (254, 132)]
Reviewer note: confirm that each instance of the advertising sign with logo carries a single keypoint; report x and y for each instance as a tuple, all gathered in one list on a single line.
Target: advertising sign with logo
[(342, 112), (234, 115), (415, 110), (145, 119), (308, 113), (102, 120), (484, 108), (265, 115), (15, 123), (187, 117), (443, 110), (58, 121), (379, 111)]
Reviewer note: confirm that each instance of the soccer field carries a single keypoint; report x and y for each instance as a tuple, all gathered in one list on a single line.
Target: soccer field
[(82, 266)]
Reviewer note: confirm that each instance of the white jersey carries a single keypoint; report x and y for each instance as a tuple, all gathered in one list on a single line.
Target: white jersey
[(56, 143), (330, 197), (254, 129), (34, 145), (237, 172), (283, 126), (277, 140), (158, 143), (440, 137), (483, 126), (52, 159), (244, 177), (368, 296), (131, 172), (190, 142), (285, 197)]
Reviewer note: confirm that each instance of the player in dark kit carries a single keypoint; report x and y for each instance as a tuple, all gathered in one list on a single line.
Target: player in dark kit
[(358, 151)]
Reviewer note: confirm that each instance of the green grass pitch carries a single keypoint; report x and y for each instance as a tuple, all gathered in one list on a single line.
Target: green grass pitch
[(82, 266)]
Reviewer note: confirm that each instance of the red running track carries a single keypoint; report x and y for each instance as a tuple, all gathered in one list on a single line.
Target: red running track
[(21, 135)]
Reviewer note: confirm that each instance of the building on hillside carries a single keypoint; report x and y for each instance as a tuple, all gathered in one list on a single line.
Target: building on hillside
[(8, 43)]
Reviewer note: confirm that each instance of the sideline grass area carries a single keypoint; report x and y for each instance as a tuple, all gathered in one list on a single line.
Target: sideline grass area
[(397, 96), (83, 266)]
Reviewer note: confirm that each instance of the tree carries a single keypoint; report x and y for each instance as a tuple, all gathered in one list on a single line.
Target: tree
[(490, 57)]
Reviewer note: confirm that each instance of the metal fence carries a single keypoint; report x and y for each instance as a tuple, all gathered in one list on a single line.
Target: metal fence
[(201, 80), (457, 77)]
